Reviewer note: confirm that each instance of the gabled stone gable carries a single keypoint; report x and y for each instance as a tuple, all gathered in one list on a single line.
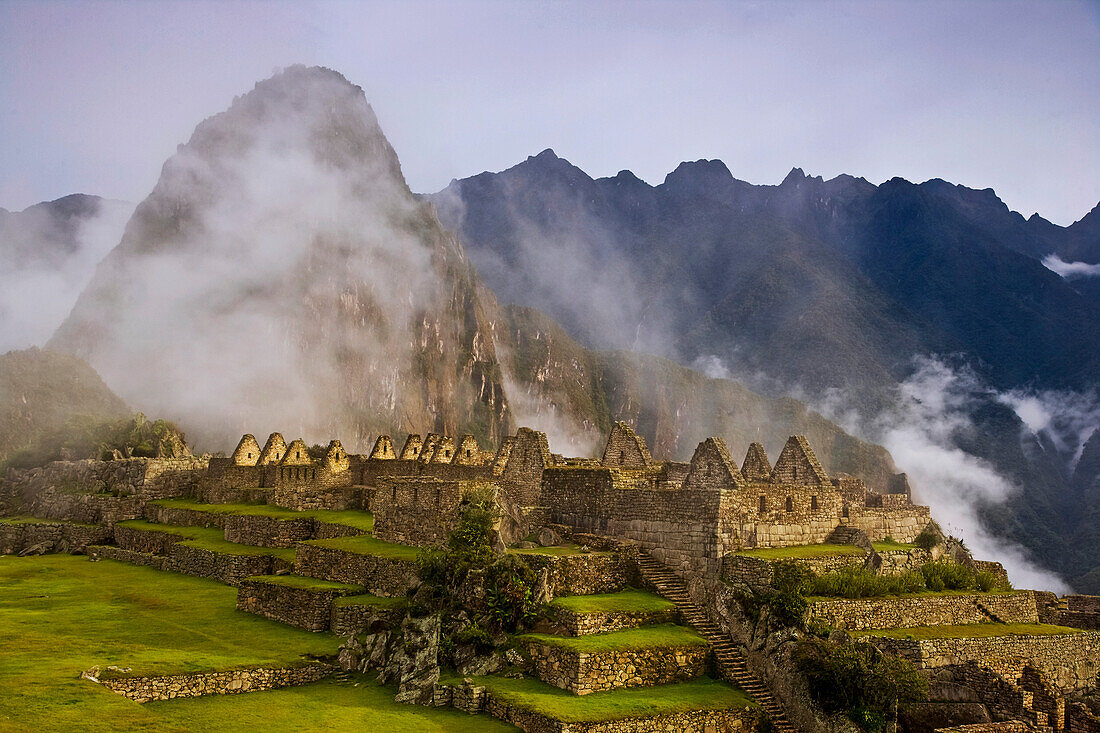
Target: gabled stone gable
[(274, 450), (713, 468), (247, 452), (428, 449), (336, 458), (411, 451), (383, 449), (444, 450), (757, 467), (468, 453), (797, 464), (625, 448), (297, 454)]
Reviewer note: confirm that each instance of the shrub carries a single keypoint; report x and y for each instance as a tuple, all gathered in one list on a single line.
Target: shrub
[(941, 575), (787, 601), (510, 593), (858, 582), (858, 679), (927, 539)]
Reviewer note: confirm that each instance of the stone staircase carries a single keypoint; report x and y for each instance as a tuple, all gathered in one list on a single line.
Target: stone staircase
[(731, 663)]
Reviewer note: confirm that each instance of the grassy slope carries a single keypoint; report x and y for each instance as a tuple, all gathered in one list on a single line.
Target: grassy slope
[(646, 637), (700, 694), (368, 545), (802, 552), (209, 538), (359, 520), (300, 581), (626, 601), (891, 546), (62, 614), (971, 631)]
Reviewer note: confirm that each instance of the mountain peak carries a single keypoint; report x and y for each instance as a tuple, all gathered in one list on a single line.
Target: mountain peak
[(699, 175), (794, 177)]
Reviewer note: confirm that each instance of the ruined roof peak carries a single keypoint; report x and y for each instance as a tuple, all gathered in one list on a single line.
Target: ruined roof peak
[(797, 464), (625, 448), (756, 466)]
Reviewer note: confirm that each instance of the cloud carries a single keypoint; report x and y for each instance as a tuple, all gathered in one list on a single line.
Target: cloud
[(46, 268), (920, 430), (1070, 269)]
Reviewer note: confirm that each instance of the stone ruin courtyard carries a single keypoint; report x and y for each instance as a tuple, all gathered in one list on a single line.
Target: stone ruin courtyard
[(646, 583)]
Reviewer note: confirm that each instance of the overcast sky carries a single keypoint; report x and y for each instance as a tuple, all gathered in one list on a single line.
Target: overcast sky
[(95, 96)]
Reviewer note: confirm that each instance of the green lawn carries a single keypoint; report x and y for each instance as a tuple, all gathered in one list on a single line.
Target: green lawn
[(209, 538), (891, 546), (646, 637), (802, 552), (970, 631), (359, 520), (365, 544), (625, 601), (638, 702), (301, 581), (62, 614)]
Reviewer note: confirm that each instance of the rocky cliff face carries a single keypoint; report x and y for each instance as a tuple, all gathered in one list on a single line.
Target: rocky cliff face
[(281, 274)]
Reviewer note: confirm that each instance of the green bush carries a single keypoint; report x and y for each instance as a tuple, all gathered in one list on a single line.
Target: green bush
[(927, 539), (787, 601), (941, 575), (475, 636), (859, 582), (510, 593), (858, 679)]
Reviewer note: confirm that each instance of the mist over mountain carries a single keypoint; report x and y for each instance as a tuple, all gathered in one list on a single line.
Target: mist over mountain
[(870, 302), (281, 276), (49, 252)]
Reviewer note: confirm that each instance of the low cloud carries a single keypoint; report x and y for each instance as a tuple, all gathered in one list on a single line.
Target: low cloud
[(1070, 269), (920, 430)]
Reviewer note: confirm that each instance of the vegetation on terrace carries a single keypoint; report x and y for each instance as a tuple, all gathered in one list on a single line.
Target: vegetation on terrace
[(208, 538), (108, 613), (366, 599), (970, 631), (643, 638), (365, 544), (300, 581), (625, 601), (932, 578), (638, 702), (350, 518), (802, 552)]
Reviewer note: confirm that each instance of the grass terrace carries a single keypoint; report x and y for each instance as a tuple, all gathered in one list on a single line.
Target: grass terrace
[(558, 551), (625, 601), (803, 552), (62, 614), (300, 581), (639, 702), (892, 546), (209, 538), (970, 631), (644, 638), (368, 545), (16, 521), (366, 599), (363, 521)]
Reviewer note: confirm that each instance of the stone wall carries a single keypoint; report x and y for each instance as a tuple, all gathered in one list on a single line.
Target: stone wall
[(572, 623), (889, 613), (224, 567), (583, 574), (1070, 661), (306, 608), (583, 673), (901, 524), (1085, 604), (757, 572), (420, 511), (49, 536), (182, 517), (381, 576), (142, 540), (133, 557), (355, 618), (148, 689), (261, 531)]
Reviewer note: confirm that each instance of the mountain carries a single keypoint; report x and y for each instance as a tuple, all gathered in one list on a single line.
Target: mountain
[(49, 251), (281, 276), (41, 391), (817, 283), (832, 290)]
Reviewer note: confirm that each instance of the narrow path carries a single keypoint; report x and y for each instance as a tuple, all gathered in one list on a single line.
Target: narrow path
[(730, 661)]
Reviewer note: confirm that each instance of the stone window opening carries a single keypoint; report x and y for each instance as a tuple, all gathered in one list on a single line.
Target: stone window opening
[(467, 452), (763, 504), (790, 504), (813, 503), (844, 512), (250, 455)]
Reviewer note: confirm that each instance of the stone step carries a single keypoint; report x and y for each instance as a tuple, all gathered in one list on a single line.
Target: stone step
[(730, 661)]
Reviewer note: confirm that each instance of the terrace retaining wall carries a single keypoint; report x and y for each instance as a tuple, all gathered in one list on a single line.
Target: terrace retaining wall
[(148, 689), (583, 673), (889, 613), (380, 576), (49, 536)]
